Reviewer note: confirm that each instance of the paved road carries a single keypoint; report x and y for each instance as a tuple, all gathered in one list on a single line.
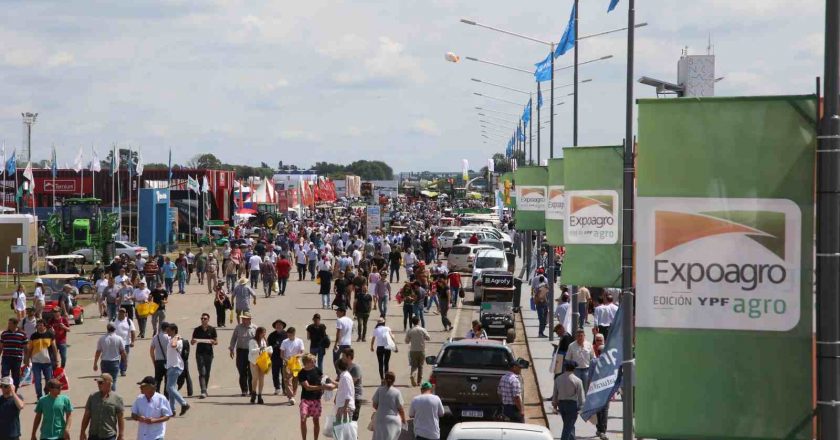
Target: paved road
[(226, 415)]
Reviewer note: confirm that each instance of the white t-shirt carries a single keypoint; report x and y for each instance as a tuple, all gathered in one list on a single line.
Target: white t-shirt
[(291, 347), (345, 392), (357, 257), (380, 334), (124, 329), (254, 262), (101, 285), (20, 300), (173, 355), (345, 327), (141, 295), (426, 409), (39, 295)]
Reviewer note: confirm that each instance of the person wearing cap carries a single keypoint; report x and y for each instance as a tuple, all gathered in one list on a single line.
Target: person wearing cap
[(38, 297), (141, 296), (10, 406), (510, 392), (240, 340), (240, 296), (567, 398), (103, 412), (56, 411), (426, 410), (151, 410), (111, 350)]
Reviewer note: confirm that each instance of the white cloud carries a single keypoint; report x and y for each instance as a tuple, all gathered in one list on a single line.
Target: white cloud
[(277, 84), (426, 127), (299, 135), (389, 63), (349, 46), (61, 59)]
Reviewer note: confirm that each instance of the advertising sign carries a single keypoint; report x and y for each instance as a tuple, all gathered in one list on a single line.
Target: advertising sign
[(724, 267), (373, 218), (592, 224), (531, 198), (555, 210)]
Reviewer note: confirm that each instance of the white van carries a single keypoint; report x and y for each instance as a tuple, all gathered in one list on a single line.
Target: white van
[(498, 431), (462, 256)]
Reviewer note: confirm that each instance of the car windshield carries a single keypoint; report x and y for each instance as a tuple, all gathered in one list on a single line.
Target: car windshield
[(460, 250), (496, 244), (489, 262), (475, 357)]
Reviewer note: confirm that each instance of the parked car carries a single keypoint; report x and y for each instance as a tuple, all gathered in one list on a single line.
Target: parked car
[(498, 431), (131, 249), (53, 286), (486, 260), (462, 256), (447, 239), (465, 375)]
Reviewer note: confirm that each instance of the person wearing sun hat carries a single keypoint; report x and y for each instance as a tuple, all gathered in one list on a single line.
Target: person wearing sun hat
[(240, 296), (426, 410)]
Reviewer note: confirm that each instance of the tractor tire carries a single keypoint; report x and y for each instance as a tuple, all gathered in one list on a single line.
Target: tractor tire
[(270, 222)]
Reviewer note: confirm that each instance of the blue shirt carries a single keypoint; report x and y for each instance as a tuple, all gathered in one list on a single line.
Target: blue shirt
[(169, 270)]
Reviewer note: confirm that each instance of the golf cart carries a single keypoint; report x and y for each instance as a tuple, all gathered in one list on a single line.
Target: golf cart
[(53, 286), (68, 264), (499, 303)]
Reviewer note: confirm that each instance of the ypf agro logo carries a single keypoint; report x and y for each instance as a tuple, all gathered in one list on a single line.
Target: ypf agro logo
[(722, 263), (591, 217), (556, 209), (530, 198)]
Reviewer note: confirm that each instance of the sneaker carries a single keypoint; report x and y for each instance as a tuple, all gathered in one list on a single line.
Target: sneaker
[(276, 392), (184, 410), (292, 401), (203, 396)]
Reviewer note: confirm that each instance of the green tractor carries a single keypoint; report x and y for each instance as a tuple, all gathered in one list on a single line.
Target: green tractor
[(81, 223), (215, 232), (267, 216)]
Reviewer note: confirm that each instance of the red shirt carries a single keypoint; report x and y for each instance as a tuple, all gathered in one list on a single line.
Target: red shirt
[(283, 267), (60, 333), (454, 279)]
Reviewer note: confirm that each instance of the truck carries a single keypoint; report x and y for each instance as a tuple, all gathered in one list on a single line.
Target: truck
[(466, 374), (81, 223)]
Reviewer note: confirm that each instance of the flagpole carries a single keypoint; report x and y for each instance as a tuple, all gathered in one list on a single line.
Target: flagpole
[(189, 213), (531, 129), (17, 202), (575, 110), (54, 172), (5, 175), (129, 192), (539, 96)]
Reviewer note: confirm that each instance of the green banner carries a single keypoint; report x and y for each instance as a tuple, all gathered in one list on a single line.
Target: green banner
[(507, 186), (592, 223), (724, 230), (555, 210), (531, 199)]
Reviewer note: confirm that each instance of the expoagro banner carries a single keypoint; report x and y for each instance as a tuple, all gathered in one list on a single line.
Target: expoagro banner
[(531, 197), (555, 211), (724, 262), (507, 186), (592, 221)]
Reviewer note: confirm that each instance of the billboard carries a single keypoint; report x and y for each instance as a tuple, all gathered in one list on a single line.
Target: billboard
[(555, 210), (531, 197)]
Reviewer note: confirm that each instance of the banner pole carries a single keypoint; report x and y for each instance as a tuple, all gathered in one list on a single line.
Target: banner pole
[(828, 239), (539, 95), (627, 288)]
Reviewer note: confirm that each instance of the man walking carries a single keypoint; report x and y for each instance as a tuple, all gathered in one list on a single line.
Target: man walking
[(174, 368), (204, 338), (43, 354), (157, 351), (239, 340), (12, 347), (151, 410), (539, 291), (510, 391), (254, 263), (567, 399), (10, 406), (343, 333), (56, 411), (580, 352), (240, 296), (300, 261), (283, 268), (356, 373), (361, 308), (426, 410), (416, 337), (605, 315), (103, 412), (111, 350), (124, 328), (168, 274)]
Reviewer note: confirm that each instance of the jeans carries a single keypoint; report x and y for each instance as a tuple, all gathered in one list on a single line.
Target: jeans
[(141, 324), (151, 282), (268, 286), (231, 282), (383, 356), (418, 312), (112, 368), (244, 370), (124, 362), (325, 301), (568, 412), (172, 374), (311, 269), (168, 282), (542, 314), (382, 304), (408, 313), (181, 284), (394, 270), (453, 294), (255, 278), (282, 284), (512, 413), (319, 353), (204, 362), (433, 300), (301, 271), (582, 310), (112, 312), (157, 319), (583, 375), (38, 370), (62, 350), (11, 366)]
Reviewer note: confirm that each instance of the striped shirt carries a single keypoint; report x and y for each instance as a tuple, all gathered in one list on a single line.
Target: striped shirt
[(13, 343), (509, 388)]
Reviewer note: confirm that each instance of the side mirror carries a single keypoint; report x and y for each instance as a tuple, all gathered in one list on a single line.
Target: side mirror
[(431, 360)]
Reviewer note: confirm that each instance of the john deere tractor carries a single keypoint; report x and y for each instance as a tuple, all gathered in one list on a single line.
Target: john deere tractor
[(81, 223), (267, 216)]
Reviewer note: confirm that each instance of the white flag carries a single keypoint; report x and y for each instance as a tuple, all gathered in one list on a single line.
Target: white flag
[(192, 184), (205, 185), (95, 164), (491, 165), (465, 167), (27, 173), (77, 164), (513, 164), (139, 163)]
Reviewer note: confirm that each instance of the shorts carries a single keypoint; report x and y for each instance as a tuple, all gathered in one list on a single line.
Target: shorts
[(416, 359), (310, 408)]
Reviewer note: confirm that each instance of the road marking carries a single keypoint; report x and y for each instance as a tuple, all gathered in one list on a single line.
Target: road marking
[(455, 321)]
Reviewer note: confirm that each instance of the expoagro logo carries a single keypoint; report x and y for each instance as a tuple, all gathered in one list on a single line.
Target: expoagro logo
[(556, 209), (592, 217), (720, 263), (530, 198)]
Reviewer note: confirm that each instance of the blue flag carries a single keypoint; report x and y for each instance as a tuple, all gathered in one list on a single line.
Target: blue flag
[(605, 373), (567, 41), (11, 165), (521, 136), (613, 4), (539, 96), (526, 115), (543, 72)]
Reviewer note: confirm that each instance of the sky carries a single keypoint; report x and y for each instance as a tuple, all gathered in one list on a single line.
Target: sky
[(338, 81)]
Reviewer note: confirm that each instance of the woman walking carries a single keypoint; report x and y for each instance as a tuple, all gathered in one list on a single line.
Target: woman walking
[(257, 347), (19, 302), (383, 340), (38, 298), (390, 415), (221, 303), (409, 298)]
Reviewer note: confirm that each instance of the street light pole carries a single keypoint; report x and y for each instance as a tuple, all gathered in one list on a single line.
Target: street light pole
[(531, 129), (577, 51), (539, 93)]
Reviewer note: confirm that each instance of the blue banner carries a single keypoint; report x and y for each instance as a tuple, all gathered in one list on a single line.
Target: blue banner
[(526, 114), (11, 165), (613, 4), (569, 38), (543, 71), (605, 373)]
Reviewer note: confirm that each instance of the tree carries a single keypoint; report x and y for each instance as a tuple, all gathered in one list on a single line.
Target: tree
[(365, 169), (501, 164), (205, 161)]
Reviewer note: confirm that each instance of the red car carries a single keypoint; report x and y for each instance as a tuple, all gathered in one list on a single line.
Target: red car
[(54, 292)]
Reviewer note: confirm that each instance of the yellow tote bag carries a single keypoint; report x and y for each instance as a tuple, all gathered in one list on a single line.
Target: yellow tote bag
[(294, 365), (146, 309), (264, 362)]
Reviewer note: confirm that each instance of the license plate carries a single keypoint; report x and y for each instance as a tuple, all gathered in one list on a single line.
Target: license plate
[(472, 413), (497, 326)]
